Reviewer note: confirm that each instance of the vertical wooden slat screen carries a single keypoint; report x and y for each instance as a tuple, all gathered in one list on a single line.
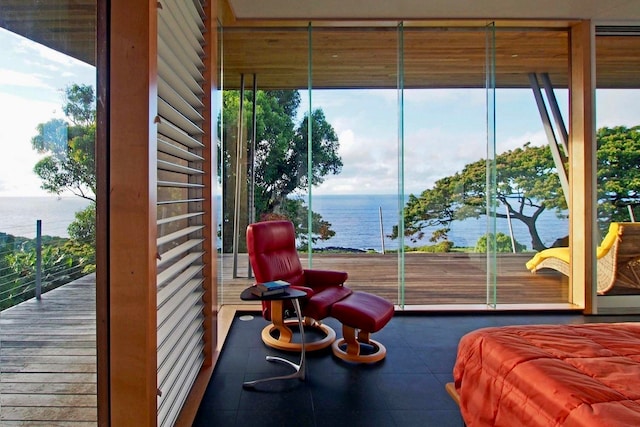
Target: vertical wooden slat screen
[(181, 198)]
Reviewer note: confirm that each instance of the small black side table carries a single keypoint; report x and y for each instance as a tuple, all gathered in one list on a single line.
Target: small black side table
[(293, 295)]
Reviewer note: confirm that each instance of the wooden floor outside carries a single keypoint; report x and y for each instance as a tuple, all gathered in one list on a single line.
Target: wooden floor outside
[(430, 279), (48, 359), (48, 352)]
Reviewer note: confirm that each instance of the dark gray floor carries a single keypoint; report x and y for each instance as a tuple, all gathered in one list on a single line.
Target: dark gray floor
[(405, 389)]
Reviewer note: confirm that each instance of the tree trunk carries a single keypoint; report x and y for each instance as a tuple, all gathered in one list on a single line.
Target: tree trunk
[(530, 222), (536, 242)]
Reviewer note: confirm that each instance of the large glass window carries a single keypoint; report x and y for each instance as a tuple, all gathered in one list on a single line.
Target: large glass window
[(618, 157), (356, 154), (408, 121), (531, 188), (263, 143), (445, 152), (47, 214)]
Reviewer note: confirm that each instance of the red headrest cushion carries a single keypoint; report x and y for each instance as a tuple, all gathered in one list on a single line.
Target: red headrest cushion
[(272, 252)]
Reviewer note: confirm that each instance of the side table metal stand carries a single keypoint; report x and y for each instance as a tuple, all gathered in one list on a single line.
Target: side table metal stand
[(300, 368)]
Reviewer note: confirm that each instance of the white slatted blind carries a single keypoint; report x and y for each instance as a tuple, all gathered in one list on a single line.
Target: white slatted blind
[(180, 197)]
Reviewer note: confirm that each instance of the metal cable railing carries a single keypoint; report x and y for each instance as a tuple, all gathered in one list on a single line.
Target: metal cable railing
[(32, 266)]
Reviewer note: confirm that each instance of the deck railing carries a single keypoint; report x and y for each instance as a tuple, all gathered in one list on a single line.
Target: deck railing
[(29, 267)]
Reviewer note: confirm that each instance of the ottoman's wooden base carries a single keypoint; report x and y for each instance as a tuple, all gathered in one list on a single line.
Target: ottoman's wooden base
[(349, 348)]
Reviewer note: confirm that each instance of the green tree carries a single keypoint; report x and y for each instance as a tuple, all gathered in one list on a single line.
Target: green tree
[(69, 146), (281, 169), (69, 165), (618, 174), (527, 184), (83, 228), (503, 244)]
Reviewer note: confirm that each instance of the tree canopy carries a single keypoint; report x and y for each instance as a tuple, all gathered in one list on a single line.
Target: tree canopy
[(618, 173), (527, 184), (281, 158), (69, 164), (69, 146)]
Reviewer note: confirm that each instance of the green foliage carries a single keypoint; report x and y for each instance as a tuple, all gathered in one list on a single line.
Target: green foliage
[(527, 184), (440, 247), (502, 244), (281, 159), (83, 228), (69, 164), (62, 260), (618, 173)]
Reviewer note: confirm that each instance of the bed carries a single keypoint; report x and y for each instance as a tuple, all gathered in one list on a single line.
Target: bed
[(550, 375)]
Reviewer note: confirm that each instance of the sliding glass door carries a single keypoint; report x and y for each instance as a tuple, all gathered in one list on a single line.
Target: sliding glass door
[(429, 176), (355, 154)]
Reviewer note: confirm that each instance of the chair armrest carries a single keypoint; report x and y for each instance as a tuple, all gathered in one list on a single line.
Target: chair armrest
[(324, 278), (306, 289)]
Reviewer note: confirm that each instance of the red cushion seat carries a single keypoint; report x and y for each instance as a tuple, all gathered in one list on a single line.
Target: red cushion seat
[(319, 305), (362, 310), (361, 314)]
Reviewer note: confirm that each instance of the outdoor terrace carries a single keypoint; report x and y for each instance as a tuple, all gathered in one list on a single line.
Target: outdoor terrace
[(433, 279), (48, 352), (48, 358)]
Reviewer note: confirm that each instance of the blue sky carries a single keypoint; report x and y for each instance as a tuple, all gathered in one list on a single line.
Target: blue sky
[(443, 129)]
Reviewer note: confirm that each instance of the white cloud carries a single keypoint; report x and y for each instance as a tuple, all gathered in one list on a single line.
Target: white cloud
[(18, 120), (514, 141), (616, 107), (16, 78), (367, 165)]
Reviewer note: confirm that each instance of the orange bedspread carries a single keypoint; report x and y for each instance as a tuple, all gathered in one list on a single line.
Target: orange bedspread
[(550, 375)]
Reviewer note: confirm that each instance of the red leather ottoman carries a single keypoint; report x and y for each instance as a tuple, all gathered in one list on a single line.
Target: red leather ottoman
[(361, 314)]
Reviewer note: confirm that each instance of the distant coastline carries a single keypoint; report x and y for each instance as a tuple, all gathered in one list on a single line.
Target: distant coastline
[(18, 215), (354, 218), (356, 221)]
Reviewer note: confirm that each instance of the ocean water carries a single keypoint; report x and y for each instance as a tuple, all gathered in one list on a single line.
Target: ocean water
[(354, 218), (356, 221), (18, 215)]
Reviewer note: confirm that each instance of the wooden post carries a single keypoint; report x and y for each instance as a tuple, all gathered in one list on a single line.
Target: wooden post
[(132, 212), (582, 167)]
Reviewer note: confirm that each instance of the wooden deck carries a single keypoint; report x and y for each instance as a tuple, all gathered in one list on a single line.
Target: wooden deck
[(430, 279), (48, 359), (48, 352)]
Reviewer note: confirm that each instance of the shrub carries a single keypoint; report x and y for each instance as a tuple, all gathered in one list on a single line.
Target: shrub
[(503, 244), (444, 246)]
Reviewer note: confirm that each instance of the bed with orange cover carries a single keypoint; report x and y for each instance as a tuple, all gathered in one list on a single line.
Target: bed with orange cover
[(550, 375)]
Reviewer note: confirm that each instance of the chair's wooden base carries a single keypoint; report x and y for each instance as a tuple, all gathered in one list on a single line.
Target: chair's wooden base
[(285, 335), (349, 349)]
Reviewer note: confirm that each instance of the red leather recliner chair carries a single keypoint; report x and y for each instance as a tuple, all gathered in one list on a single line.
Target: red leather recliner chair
[(273, 256)]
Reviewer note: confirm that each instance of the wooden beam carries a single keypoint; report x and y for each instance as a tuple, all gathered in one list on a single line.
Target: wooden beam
[(582, 168), (102, 214), (132, 212)]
